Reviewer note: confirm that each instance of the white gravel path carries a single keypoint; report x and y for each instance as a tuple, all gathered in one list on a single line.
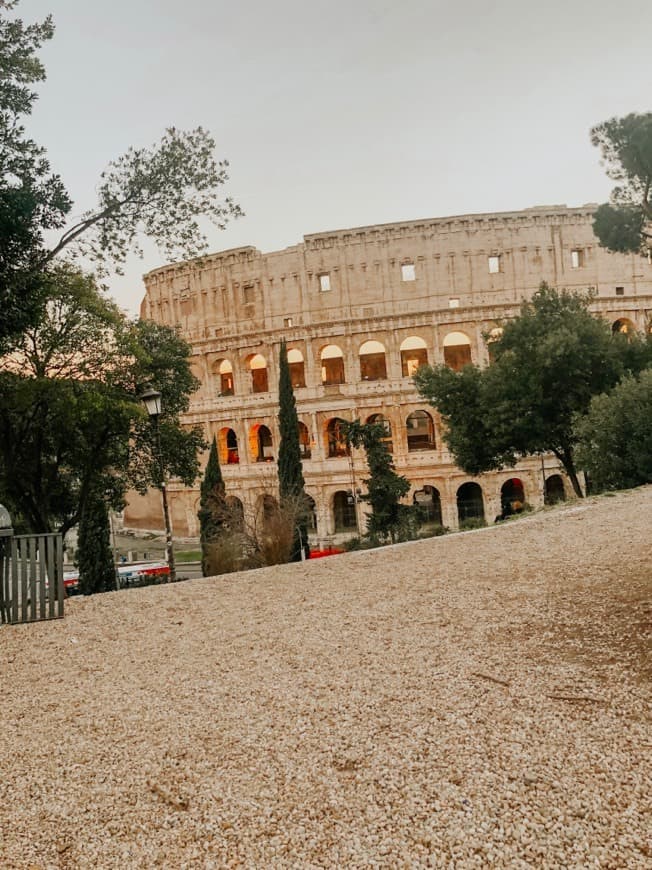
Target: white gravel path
[(476, 700)]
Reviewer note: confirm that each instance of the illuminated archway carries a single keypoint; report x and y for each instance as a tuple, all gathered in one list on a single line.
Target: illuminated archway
[(297, 368), (332, 365), (512, 496), (223, 373), (304, 441), (336, 444), (457, 350), (258, 368), (623, 326), (414, 354), (227, 443), (261, 444), (373, 364)]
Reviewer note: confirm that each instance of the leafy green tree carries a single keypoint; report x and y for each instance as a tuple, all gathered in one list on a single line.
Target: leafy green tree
[(548, 364), (94, 554), (625, 223), (290, 470), (32, 199), (212, 506), (385, 488), (71, 421), (162, 191), (615, 436)]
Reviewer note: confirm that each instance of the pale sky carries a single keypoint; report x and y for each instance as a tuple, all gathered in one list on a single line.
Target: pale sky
[(348, 112)]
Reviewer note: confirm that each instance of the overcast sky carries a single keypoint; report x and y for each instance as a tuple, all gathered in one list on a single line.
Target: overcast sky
[(347, 112)]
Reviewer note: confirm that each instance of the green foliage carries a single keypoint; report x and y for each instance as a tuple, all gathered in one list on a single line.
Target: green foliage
[(94, 554), (471, 523), (162, 191), (625, 225), (32, 199), (460, 398), (385, 488), (212, 505), (615, 437), (71, 420), (548, 364), (290, 470)]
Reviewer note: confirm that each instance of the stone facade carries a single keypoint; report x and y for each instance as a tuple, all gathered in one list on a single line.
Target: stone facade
[(400, 293)]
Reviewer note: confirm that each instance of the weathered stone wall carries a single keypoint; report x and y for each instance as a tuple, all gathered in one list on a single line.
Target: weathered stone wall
[(418, 279)]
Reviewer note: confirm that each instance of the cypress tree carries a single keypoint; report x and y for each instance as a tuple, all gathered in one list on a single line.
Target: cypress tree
[(94, 554), (385, 488), (212, 505), (290, 471)]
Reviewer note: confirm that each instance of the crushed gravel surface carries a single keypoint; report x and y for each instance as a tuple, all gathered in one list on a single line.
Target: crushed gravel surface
[(476, 700)]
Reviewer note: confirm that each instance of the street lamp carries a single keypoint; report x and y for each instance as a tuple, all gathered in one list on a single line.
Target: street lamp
[(151, 398)]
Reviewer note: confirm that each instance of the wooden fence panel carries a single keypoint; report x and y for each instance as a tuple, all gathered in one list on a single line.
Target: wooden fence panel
[(31, 578)]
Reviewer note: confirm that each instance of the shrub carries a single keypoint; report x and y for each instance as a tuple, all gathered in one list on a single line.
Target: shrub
[(433, 530), (615, 436), (471, 523)]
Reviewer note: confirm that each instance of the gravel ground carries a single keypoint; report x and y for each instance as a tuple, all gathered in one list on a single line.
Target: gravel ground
[(475, 700)]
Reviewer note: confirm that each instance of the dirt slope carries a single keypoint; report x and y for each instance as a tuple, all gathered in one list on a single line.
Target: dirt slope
[(475, 700)]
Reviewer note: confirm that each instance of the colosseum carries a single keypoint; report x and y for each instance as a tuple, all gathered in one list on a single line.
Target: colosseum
[(360, 310)]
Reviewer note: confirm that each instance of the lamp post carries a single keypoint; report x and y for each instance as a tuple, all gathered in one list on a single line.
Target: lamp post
[(152, 401)]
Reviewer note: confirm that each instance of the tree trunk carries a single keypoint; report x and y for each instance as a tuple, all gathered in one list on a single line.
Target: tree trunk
[(566, 459)]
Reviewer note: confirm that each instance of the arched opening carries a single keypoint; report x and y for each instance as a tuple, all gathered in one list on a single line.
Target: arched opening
[(304, 441), (344, 512), (260, 444), (332, 365), (297, 368), (336, 443), (623, 326), (512, 497), (258, 368), (414, 353), (373, 366), (470, 505), (227, 443), (494, 335), (235, 513), (223, 371), (387, 426), (420, 431), (428, 500), (312, 513), (457, 350), (555, 490), (269, 510)]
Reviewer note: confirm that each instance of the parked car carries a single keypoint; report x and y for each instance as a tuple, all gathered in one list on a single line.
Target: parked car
[(136, 574), (142, 573)]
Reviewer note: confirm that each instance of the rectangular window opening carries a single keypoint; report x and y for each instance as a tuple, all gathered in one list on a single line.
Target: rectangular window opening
[(287, 321), (454, 302), (494, 264), (248, 294), (577, 258), (324, 282), (620, 291), (407, 272)]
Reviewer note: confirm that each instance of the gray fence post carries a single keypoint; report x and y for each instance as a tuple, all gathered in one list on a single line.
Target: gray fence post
[(6, 534)]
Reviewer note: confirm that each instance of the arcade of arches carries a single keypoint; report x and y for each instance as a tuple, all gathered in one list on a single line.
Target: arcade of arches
[(360, 311)]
